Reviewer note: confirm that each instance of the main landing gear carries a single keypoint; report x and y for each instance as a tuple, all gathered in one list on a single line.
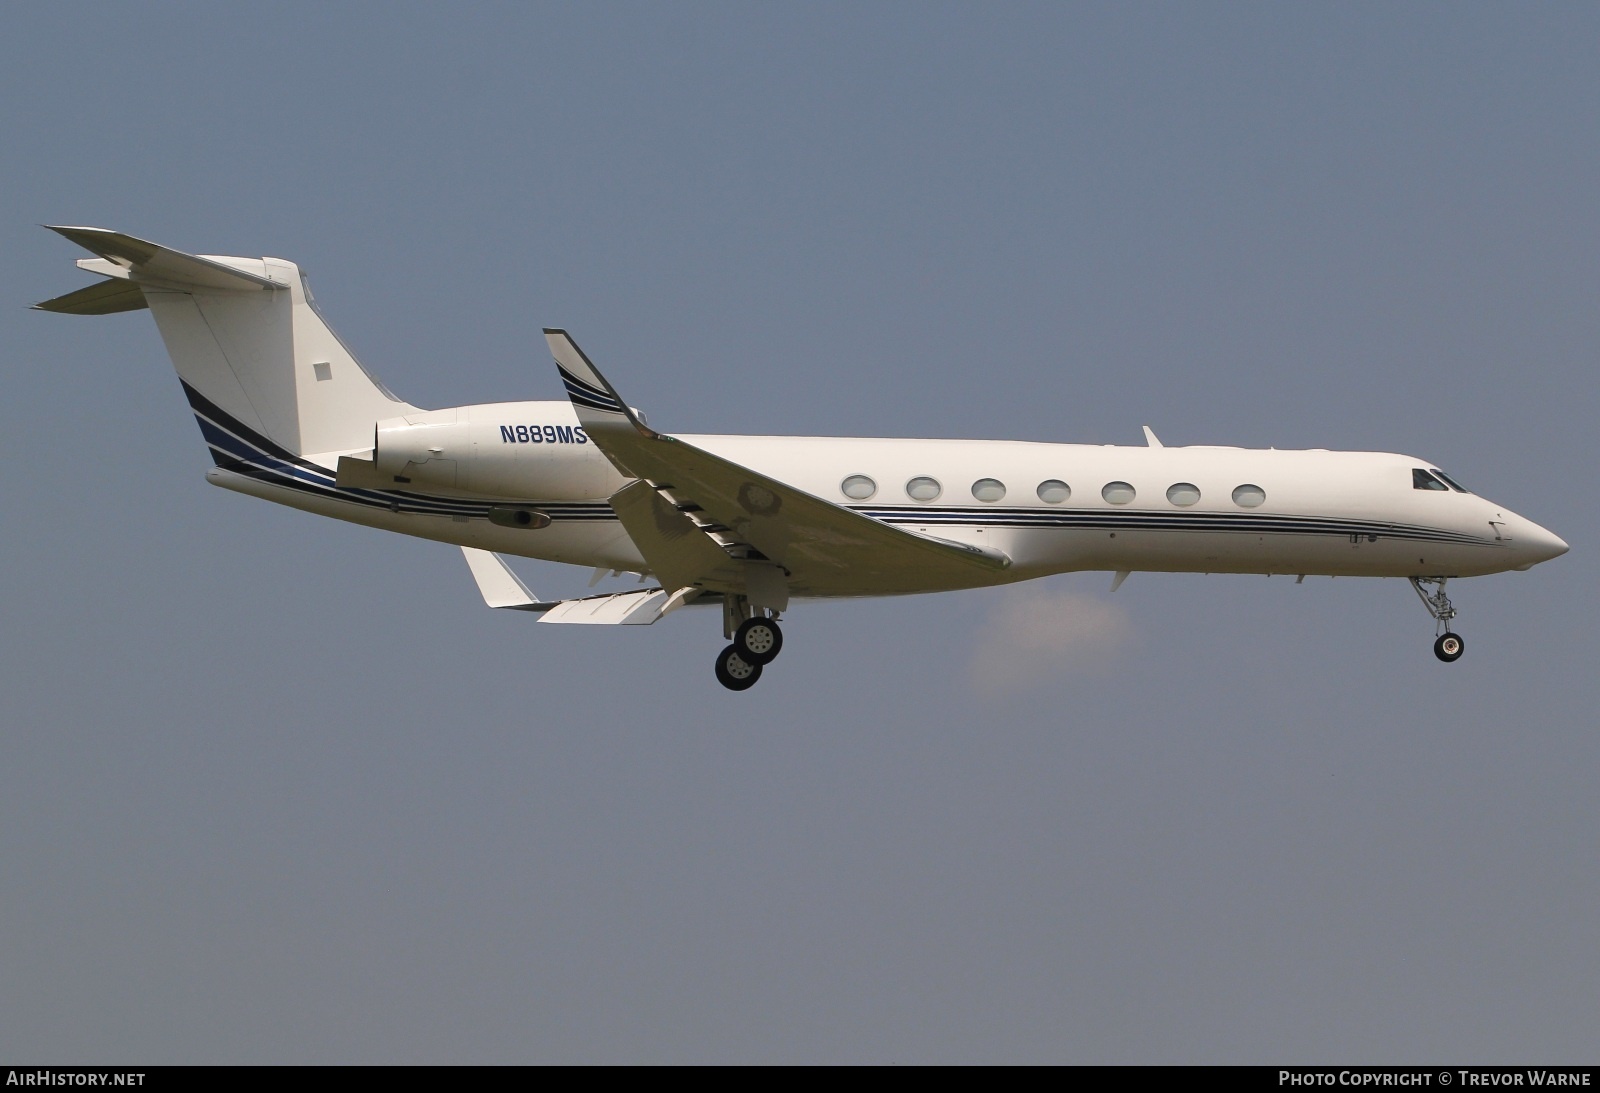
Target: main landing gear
[(1449, 646), (734, 672), (757, 641)]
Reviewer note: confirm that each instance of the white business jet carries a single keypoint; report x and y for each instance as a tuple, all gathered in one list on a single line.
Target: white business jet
[(746, 522)]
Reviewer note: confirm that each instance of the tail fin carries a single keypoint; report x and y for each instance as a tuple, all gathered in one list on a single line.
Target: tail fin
[(245, 337)]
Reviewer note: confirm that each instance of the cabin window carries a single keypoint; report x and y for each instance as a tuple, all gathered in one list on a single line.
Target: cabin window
[(1451, 482), (1118, 493), (923, 488), (1248, 495), (1054, 491), (1422, 480), (858, 487), (1183, 493), (988, 489)]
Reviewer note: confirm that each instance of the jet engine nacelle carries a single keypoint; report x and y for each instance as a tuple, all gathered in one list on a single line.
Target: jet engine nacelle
[(518, 450)]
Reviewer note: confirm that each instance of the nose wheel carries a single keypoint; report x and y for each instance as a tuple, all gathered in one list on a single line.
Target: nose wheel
[(1448, 647), (756, 643)]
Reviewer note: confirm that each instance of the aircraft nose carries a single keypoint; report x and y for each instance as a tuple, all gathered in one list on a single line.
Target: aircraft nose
[(1536, 544)]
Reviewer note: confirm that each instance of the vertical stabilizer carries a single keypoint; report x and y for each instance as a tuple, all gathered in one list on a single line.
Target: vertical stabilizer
[(246, 339)]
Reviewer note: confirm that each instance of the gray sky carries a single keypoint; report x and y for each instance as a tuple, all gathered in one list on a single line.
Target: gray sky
[(278, 789)]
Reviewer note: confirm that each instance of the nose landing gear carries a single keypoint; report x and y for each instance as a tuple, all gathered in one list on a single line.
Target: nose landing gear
[(1449, 646)]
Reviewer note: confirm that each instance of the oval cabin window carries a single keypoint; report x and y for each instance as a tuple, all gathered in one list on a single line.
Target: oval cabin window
[(858, 487), (1183, 493), (1118, 493), (1249, 496), (1054, 492), (988, 489), (923, 488)]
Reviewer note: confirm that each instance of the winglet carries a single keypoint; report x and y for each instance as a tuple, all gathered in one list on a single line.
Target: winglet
[(1151, 439), (596, 401), (499, 586)]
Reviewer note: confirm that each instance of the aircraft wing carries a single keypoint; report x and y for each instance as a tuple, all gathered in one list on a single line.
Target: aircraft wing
[(504, 589), (824, 549)]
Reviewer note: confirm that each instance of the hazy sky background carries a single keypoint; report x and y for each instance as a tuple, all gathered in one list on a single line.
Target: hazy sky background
[(279, 789)]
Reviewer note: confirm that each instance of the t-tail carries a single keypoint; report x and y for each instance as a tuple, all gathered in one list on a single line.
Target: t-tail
[(259, 365)]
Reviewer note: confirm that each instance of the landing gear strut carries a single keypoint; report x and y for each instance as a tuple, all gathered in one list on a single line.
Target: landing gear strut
[(757, 641), (1449, 646)]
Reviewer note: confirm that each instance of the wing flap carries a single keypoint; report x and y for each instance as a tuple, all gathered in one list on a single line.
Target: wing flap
[(618, 609), (501, 588), (678, 552)]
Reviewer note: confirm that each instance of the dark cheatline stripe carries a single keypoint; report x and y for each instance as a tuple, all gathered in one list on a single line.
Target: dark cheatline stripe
[(204, 407), (587, 394), (234, 453), (237, 447), (1237, 523)]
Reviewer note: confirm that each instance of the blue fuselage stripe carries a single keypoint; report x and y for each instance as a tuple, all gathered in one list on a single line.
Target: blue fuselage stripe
[(237, 447)]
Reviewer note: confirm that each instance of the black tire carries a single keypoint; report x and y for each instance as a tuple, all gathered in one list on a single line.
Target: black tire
[(1449, 648), (758, 640), (734, 672)]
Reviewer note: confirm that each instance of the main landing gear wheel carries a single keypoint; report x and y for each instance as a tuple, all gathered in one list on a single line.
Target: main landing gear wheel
[(734, 672), (1449, 647), (758, 640)]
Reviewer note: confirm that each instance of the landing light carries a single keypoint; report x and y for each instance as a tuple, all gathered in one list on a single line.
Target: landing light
[(508, 516)]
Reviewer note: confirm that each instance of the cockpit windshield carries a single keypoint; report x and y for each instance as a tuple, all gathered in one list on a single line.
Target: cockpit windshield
[(1422, 480), (1451, 482)]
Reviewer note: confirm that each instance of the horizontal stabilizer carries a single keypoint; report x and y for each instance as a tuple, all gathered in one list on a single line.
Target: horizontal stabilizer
[(153, 263), (104, 298)]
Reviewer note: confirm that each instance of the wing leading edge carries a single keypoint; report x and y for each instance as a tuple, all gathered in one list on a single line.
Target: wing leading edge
[(823, 549)]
